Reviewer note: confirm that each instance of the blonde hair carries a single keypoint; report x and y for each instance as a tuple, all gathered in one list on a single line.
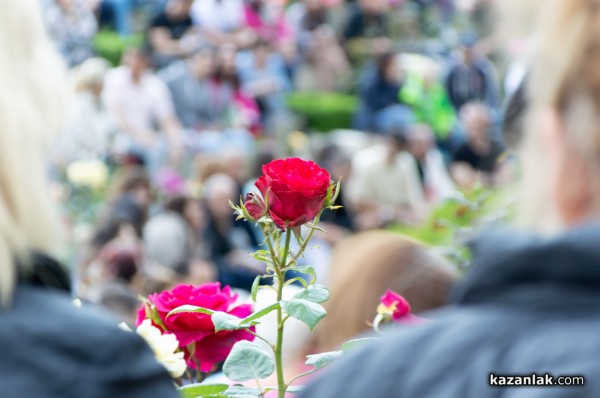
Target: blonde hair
[(31, 108), (564, 76)]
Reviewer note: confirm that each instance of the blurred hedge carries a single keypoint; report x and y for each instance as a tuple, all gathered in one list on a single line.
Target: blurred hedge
[(110, 46), (324, 112)]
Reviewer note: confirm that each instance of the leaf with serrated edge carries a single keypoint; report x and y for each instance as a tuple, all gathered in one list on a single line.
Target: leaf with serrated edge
[(248, 361), (319, 361), (190, 308), (304, 310), (260, 314), (314, 293), (354, 343), (201, 390)]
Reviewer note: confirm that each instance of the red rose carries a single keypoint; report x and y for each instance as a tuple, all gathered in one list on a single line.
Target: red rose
[(192, 327), (255, 206), (395, 304), (296, 190)]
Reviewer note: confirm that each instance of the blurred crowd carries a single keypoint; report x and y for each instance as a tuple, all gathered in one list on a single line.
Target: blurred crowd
[(183, 124)]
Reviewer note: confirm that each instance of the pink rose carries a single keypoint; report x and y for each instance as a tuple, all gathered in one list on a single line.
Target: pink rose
[(395, 304), (197, 328), (255, 206), (296, 190)]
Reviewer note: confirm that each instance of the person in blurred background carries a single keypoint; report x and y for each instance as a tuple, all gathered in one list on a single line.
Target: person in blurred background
[(220, 21), (201, 102), (318, 45), (394, 262), (170, 33), (381, 108), (472, 77), (139, 100), (529, 303), (385, 186), (367, 31), (89, 127), (481, 152), (263, 75), (433, 173), (41, 332), (71, 25), (230, 240)]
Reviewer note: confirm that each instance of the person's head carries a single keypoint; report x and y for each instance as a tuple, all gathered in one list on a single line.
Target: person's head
[(219, 189), (397, 140), (333, 159), (89, 76), (387, 67), (363, 267), (134, 182), (467, 50), (372, 7), (202, 62), (262, 50), (179, 9), (420, 140), (189, 208), (137, 59), (314, 6), (476, 121), (561, 148), (31, 107)]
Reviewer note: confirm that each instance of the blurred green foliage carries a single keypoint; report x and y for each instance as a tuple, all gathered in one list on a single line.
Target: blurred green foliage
[(110, 46), (324, 112)]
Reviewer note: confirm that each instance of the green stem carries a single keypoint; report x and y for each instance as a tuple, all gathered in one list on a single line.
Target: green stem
[(281, 387), (305, 243)]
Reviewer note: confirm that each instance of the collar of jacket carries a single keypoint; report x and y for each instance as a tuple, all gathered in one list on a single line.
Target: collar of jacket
[(45, 272), (511, 266)]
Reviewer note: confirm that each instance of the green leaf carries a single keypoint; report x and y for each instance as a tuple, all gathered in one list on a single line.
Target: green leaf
[(254, 289), (308, 270), (201, 390), (225, 321), (304, 310), (314, 293), (321, 360), (299, 279), (190, 308), (248, 361), (260, 314), (352, 344), (290, 389), (314, 226), (242, 392)]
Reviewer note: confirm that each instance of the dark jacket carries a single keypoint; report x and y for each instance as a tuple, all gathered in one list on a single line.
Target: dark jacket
[(527, 305), (51, 349)]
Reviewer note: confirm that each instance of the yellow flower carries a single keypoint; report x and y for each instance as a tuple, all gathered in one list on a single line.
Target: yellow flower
[(90, 173), (165, 348)]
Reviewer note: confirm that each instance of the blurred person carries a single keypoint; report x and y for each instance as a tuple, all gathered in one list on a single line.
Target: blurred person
[(41, 332), (89, 127), (171, 34), (480, 154), (201, 102), (529, 303), (71, 25), (381, 109), (433, 173), (263, 75), (367, 32), (317, 43), (139, 100), (394, 262), (221, 21), (266, 20), (106, 14), (472, 77), (384, 187), (229, 240)]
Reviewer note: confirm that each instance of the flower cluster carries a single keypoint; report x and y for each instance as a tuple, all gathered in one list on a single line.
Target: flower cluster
[(195, 331)]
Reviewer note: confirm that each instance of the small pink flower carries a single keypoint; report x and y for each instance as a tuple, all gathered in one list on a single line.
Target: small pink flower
[(394, 304), (255, 206)]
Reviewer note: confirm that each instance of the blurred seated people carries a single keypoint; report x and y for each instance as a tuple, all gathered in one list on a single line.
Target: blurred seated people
[(105, 12), (139, 100), (384, 187), (428, 99), (244, 111), (320, 51), (266, 20), (170, 33), (366, 33), (472, 77), (229, 240), (173, 238), (201, 103), (71, 25), (394, 262), (479, 156), (263, 75), (89, 128), (221, 21), (381, 109), (433, 173)]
